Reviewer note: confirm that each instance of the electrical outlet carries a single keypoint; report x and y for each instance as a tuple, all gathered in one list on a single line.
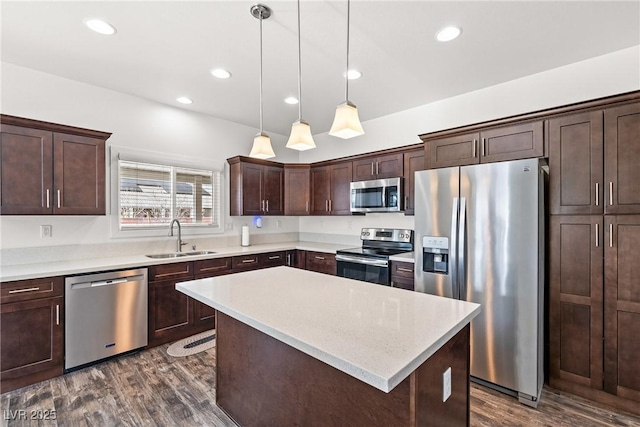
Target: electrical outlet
[(446, 384), (278, 224), (45, 230)]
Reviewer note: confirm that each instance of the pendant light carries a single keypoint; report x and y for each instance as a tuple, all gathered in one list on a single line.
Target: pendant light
[(300, 138), (261, 148), (346, 123)]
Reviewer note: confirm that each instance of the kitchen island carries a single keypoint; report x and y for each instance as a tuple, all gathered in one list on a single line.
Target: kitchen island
[(295, 347)]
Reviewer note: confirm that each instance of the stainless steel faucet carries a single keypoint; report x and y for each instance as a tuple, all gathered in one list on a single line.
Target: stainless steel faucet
[(179, 242)]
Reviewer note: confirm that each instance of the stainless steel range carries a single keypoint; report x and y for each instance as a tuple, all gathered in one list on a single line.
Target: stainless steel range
[(370, 262)]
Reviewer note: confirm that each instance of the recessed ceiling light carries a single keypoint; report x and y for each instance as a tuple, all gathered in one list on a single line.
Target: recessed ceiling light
[(291, 100), (100, 26), (353, 74), (220, 73), (184, 100), (449, 33)]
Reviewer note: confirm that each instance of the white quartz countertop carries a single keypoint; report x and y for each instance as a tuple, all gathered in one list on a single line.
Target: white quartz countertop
[(81, 266), (375, 333)]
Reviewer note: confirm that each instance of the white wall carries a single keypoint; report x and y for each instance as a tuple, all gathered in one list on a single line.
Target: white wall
[(134, 122)]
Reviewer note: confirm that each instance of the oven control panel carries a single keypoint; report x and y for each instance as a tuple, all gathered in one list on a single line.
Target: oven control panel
[(387, 235)]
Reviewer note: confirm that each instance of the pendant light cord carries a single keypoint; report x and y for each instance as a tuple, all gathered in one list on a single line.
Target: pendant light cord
[(346, 95), (260, 18), (299, 69)]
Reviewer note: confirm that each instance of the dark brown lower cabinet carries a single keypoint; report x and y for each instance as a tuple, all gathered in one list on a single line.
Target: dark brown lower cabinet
[(171, 312), (622, 306), (32, 331), (321, 262), (594, 308), (402, 275)]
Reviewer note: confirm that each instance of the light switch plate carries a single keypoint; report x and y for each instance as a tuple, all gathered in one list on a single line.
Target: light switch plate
[(446, 384), (45, 230)]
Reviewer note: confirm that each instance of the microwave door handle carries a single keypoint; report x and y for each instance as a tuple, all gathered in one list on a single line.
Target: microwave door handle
[(383, 202)]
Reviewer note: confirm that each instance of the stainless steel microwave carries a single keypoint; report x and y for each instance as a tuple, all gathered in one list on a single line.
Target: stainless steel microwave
[(377, 195)]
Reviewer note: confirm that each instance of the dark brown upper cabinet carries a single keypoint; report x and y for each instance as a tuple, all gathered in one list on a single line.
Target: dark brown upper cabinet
[(414, 161), (622, 159), (330, 189), (51, 169), (297, 190), (517, 141), (256, 187), (576, 164), (378, 167)]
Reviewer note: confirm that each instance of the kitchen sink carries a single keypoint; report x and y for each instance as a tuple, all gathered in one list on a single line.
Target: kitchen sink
[(179, 254)]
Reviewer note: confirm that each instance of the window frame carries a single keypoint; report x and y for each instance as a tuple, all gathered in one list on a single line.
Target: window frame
[(169, 160)]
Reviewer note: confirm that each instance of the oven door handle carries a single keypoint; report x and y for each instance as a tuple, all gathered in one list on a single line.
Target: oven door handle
[(358, 260)]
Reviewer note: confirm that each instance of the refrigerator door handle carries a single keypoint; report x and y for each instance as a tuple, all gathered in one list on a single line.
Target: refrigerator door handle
[(453, 252), (462, 272)]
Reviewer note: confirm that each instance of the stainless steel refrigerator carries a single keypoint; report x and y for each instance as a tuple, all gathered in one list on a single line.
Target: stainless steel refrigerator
[(479, 237)]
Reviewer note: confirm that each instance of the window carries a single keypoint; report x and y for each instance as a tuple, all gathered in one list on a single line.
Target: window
[(151, 192)]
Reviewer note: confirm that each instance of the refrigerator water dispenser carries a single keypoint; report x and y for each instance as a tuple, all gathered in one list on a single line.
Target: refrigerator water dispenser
[(435, 254)]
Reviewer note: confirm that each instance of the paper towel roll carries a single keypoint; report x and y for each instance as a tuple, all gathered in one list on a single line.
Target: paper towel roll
[(245, 235)]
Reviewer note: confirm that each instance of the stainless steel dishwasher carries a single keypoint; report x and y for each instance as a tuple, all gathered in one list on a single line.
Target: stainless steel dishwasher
[(105, 315)]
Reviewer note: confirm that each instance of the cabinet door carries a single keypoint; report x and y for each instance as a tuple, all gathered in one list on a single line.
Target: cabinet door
[(413, 161), (364, 169), (78, 175), (205, 317), (459, 150), (297, 196), (252, 191), (576, 164), (340, 200), (576, 299), (622, 157), (170, 313), (622, 306), (31, 341), (521, 141), (26, 175), (273, 188), (389, 166), (320, 190)]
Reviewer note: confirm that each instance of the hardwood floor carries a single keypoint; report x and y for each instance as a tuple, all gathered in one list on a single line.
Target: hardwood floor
[(152, 388)]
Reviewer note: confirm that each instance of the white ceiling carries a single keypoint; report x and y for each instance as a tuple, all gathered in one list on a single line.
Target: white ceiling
[(165, 49)]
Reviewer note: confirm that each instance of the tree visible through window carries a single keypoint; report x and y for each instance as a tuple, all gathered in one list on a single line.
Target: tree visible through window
[(152, 195)]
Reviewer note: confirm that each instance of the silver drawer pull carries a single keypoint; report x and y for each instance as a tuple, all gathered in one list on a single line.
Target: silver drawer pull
[(610, 193), (57, 314), (58, 199), (597, 235), (408, 270), (48, 198), (319, 257), (249, 260), (611, 235), (275, 257), (19, 291), (597, 194)]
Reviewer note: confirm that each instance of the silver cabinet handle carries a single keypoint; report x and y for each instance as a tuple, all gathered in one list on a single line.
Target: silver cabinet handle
[(306, 206), (326, 205), (58, 198), (329, 205), (473, 148), (483, 143), (408, 270), (57, 314), (275, 257), (377, 170), (244, 261), (262, 205), (597, 235), (289, 259), (19, 291), (371, 168), (48, 197), (610, 193), (597, 194), (611, 235), (267, 205), (319, 257)]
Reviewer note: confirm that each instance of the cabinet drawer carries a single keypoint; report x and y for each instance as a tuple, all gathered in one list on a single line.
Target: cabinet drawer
[(402, 283), (321, 262), (177, 270), (245, 262), (272, 259), (24, 290), (212, 267), (402, 269)]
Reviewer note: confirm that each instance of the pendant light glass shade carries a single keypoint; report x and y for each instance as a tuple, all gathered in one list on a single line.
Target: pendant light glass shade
[(346, 123), (262, 147), (300, 138)]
